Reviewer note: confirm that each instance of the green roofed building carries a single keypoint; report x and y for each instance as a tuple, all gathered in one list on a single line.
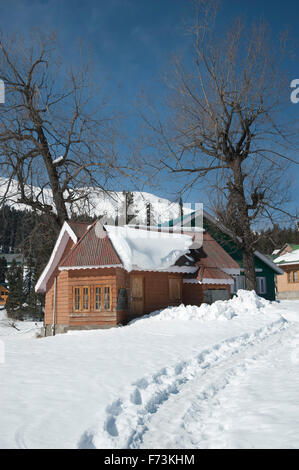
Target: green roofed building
[(265, 269)]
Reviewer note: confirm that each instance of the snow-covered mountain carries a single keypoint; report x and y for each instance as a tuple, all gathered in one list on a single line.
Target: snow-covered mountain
[(99, 202)]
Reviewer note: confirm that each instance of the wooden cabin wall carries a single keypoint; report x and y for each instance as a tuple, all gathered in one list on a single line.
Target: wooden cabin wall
[(156, 289), (49, 299), (92, 278), (193, 294), (123, 282)]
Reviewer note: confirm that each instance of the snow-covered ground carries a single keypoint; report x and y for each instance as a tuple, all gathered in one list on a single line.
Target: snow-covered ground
[(26, 329), (225, 375)]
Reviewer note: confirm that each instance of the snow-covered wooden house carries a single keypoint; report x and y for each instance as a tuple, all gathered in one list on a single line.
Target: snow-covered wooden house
[(288, 284), (102, 276)]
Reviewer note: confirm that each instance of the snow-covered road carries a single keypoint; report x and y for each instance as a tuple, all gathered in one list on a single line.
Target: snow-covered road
[(221, 376)]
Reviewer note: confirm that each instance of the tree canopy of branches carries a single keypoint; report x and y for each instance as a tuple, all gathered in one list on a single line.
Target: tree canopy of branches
[(57, 134), (225, 125)]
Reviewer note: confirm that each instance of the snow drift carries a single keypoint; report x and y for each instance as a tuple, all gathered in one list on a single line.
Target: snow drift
[(244, 302)]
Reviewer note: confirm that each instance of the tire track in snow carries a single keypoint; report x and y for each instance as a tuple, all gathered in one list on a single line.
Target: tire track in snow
[(127, 419)]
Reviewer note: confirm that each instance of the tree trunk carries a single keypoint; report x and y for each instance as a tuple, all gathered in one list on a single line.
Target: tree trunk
[(244, 225), (249, 269), (53, 180)]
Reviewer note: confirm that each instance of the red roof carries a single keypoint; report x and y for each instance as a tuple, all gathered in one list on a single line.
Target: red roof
[(91, 250), (213, 255), (79, 228), (212, 273)]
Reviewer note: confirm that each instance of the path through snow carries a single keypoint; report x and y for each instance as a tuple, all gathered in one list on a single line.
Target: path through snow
[(224, 375), (168, 409)]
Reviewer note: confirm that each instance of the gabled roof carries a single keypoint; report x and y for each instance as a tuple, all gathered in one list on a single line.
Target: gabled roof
[(215, 264), (91, 251), (128, 247), (79, 228), (66, 233), (207, 275), (212, 254), (187, 221)]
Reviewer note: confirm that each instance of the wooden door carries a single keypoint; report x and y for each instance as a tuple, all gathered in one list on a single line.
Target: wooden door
[(175, 289), (137, 295)]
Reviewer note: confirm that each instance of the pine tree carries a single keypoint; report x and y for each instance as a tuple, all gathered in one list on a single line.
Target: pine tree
[(3, 270), (15, 296)]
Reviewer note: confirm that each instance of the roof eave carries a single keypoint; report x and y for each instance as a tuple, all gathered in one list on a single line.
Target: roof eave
[(40, 286)]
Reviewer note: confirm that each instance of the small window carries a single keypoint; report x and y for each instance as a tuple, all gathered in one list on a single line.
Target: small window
[(81, 299), (242, 282), (85, 298), (261, 285), (77, 297), (107, 302), (102, 298), (98, 298), (293, 276)]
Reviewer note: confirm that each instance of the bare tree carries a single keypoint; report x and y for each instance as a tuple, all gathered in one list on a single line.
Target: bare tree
[(57, 134), (225, 125)]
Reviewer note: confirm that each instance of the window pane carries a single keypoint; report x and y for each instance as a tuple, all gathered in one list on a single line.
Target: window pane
[(98, 298), (242, 283), (261, 285), (290, 276), (77, 298), (295, 276), (107, 298), (85, 298)]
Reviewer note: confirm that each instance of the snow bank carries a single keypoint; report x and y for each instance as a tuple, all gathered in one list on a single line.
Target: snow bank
[(243, 303), (8, 327), (147, 249)]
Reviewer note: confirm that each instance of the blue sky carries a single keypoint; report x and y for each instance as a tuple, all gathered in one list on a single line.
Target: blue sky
[(131, 41)]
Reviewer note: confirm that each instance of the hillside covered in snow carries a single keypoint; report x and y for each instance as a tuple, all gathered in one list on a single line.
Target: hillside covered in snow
[(99, 203)]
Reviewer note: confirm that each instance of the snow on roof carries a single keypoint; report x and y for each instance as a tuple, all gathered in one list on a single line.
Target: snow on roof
[(288, 258), (149, 250), (65, 234)]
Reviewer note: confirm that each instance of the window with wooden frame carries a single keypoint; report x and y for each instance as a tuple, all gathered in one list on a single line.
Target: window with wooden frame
[(293, 277), (261, 285), (102, 298), (81, 299), (175, 291)]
